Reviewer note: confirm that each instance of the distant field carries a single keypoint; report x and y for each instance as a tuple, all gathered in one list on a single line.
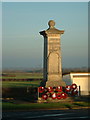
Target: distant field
[(10, 84), (21, 75)]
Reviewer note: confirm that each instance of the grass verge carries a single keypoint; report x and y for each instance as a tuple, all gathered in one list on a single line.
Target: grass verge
[(38, 106)]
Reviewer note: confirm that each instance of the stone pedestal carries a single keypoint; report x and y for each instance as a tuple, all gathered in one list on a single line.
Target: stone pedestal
[(52, 56), (68, 99)]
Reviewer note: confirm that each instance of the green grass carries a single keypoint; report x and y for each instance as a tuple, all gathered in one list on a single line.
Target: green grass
[(30, 106), (17, 75), (10, 84), (83, 104)]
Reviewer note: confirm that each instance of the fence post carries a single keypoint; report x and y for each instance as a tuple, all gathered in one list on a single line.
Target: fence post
[(79, 92), (38, 92)]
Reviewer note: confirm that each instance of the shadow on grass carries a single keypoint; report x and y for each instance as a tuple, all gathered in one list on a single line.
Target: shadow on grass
[(84, 98), (23, 94), (69, 106)]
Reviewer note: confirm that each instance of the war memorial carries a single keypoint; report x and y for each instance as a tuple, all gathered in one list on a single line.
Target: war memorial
[(53, 87), (52, 56)]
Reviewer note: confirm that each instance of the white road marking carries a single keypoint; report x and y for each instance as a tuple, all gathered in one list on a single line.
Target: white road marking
[(56, 114), (49, 115), (72, 118)]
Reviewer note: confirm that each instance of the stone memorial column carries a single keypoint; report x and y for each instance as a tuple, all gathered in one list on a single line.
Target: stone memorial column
[(52, 56)]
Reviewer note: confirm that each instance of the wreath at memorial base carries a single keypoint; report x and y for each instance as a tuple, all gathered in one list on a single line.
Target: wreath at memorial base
[(58, 92)]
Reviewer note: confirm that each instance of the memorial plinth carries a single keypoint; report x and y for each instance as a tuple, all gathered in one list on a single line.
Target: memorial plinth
[(52, 57)]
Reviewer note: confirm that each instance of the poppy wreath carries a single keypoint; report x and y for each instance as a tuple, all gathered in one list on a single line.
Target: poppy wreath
[(59, 96), (54, 95), (41, 89), (73, 86), (45, 96), (64, 95), (74, 92), (49, 94), (68, 88), (50, 89), (45, 90), (54, 89), (59, 89)]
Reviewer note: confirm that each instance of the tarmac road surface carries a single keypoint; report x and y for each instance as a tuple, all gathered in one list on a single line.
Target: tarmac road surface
[(72, 114)]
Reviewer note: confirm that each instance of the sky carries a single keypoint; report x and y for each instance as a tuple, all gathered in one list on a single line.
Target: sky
[(22, 45)]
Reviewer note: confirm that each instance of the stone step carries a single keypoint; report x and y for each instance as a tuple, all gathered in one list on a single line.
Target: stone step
[(41, 100)]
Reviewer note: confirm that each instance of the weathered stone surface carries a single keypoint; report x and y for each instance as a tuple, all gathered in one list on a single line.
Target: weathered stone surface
[(52, 56)]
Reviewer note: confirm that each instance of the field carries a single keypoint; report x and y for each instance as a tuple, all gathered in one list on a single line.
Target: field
[(16, 97), (20, 79), (21, 75), (16, 86), (10, 84)]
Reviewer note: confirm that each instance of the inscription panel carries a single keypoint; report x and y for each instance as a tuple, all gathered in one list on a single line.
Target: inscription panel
[(54, 44), (54, 35)]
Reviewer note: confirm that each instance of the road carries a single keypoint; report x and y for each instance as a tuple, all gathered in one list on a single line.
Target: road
[(72, 114)]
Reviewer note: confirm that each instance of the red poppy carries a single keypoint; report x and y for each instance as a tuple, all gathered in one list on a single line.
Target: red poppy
[(41, 89), (68, 88), (54, 96), (59, 89), (74, 92), (59, 96), (73, 86), (64, 95), (50, 89), (45, 96)]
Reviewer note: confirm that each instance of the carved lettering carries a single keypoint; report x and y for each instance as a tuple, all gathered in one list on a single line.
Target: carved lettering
[(54, 44)]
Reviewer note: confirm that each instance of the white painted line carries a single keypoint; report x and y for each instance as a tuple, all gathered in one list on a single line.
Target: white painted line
[(56, 114), (72, 118), (49, 115)]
